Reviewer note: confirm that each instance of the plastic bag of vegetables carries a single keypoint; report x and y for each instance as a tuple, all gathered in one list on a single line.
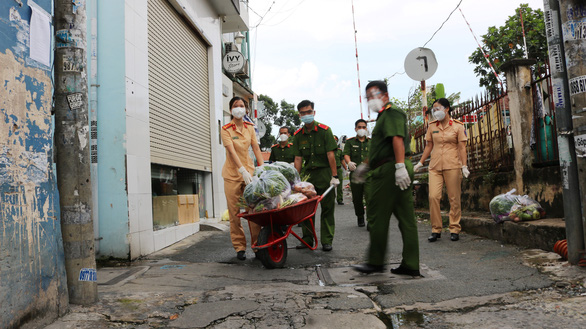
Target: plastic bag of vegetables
[(269, 187), (292, 199), (500, 206), (306, 188), (284, 168), (520, 212)]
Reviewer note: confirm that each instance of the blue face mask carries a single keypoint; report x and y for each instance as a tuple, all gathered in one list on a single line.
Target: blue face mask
[(307, 118)]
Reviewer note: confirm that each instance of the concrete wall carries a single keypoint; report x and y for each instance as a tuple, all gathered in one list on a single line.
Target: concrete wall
[(111, 117), (33, 288), (124, 175), (541, 184)]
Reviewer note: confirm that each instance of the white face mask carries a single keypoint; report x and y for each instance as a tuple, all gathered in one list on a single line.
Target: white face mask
[(361, 132), (283, 137), (439, 114), (238, 112), (375, 105)]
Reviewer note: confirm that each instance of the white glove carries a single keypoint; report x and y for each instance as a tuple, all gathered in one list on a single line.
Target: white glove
[(417, 166), (352, 166), (402, 176), (245, 174), (359, 176), (335, 181), (465, 171)]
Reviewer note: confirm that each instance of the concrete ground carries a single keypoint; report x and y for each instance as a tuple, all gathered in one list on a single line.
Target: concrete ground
[(473, 283)]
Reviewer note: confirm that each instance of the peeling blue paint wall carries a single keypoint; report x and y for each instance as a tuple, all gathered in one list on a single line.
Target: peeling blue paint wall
[(33, 285)]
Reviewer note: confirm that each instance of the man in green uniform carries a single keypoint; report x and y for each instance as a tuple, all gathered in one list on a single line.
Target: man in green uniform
[(355, 153), (389, 177), (314, 144), (282, 151), (341, 165)]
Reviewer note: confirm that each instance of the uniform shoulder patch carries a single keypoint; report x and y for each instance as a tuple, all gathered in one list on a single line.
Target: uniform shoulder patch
[(297, 131), (457, 121), (434, 121), (248, 123), (274, 145), (290, 144), (226, 126), (350, 138), (322, 126)]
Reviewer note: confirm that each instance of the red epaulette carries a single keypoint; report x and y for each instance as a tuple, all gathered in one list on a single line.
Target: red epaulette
[(322, 126), (298, 130), (274, 145), (226, 126), (289, 145)]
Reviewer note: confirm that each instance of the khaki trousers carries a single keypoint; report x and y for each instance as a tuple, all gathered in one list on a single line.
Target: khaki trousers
[(233, 191), (453, 180)]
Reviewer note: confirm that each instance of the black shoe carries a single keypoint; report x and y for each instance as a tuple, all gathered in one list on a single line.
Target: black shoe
[(368, 268), (454, 237), (405, 271), (340, 203), (360, 221), (241, 255), (327, 247), (434, 236), (300, 246), (368, 228)]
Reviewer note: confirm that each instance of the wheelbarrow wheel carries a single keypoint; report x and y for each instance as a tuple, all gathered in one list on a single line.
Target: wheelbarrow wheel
[(273, 256)]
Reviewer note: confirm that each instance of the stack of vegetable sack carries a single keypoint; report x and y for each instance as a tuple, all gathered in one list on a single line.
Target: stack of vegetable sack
[(275, 186), (510, 206)]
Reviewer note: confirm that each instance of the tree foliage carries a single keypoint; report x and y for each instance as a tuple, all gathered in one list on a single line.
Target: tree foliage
[(281, 115), (505, 43)]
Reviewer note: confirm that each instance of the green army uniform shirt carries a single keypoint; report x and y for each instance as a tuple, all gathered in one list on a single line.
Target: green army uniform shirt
[(313, 145), (357, 150), (391, 121), (279, 153)]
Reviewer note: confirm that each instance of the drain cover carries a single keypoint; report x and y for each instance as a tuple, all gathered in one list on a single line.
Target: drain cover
[(346, 276)]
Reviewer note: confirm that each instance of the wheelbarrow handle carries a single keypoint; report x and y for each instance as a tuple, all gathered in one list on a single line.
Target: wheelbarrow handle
[(328, 191)]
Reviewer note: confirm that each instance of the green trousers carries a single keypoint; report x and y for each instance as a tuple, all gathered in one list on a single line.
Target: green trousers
[(320, 178), (339, 195), (387, 199), (359, 194)]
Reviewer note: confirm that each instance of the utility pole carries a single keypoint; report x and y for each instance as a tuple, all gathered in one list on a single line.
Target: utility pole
[(72, 150), (566, 106)]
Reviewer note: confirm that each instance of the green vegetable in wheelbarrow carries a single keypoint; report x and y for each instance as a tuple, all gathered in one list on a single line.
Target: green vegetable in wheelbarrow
[(267, 186)]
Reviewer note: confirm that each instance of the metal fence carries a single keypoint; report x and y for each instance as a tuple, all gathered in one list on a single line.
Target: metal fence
[(487, 123), (489, 144)]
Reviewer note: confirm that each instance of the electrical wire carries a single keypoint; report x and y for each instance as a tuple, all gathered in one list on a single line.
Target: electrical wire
[(286, 18), (443, 23), (263, 16)]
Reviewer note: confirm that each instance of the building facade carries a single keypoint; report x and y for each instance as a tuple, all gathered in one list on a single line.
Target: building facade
[(33, 288), (158, 97)]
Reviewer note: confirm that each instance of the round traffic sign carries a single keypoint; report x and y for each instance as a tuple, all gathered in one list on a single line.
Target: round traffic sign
[(420, 64)]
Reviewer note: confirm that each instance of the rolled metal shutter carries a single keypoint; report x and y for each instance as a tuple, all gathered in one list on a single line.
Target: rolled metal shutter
[(178, 91)]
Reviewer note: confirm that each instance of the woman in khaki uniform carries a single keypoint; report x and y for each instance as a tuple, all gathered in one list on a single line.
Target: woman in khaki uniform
[(447, 138), (238, 136)]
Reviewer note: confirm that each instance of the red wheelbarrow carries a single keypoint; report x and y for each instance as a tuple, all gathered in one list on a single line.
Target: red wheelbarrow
[(271, 245)]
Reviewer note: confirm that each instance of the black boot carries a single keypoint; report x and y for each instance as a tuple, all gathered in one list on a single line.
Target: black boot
[(368, 268), (434, 236), (360, 221)]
